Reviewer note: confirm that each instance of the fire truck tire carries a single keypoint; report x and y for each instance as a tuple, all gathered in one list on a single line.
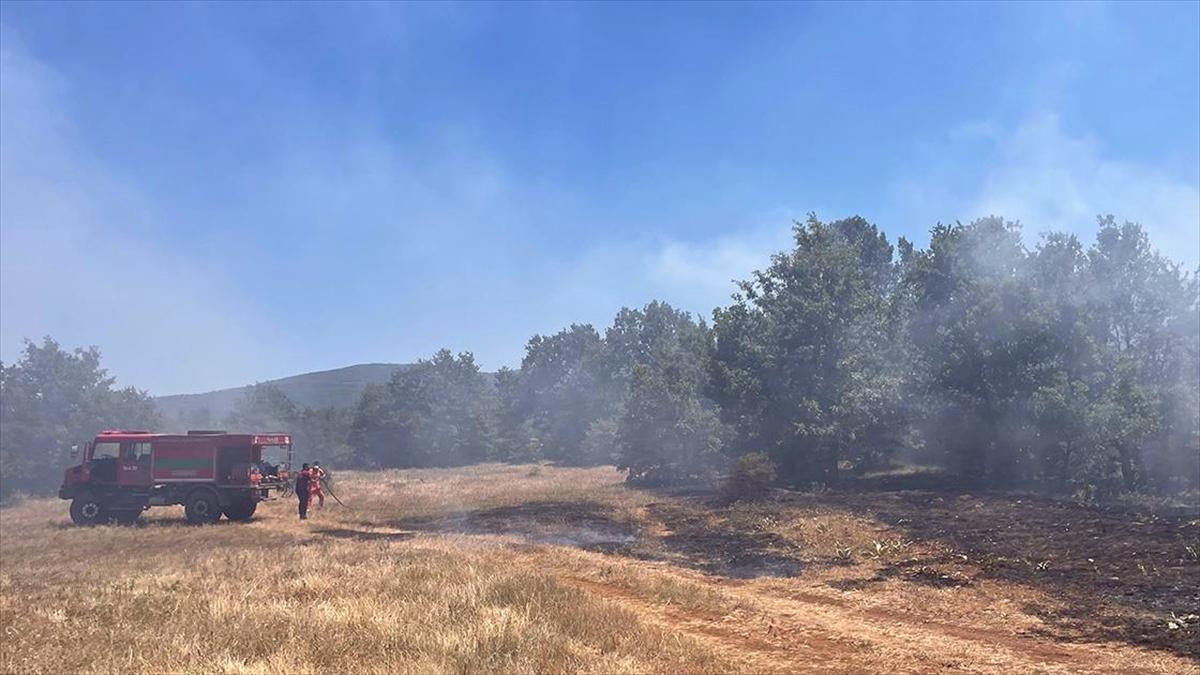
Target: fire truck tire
[(202, 507), (86, 509), (242, 509)]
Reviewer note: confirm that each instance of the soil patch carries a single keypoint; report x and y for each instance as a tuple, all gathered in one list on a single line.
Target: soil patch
[(1120, 572), (586, 525), (702, 536)]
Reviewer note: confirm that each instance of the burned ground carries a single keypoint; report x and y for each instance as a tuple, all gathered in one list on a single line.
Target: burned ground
[(587, 525), (1118, 571), (684, 533)]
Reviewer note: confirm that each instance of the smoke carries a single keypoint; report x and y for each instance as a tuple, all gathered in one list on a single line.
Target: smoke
[(695, 274), (1078, 363), (75, 261), (311, 249), (1040, 173)]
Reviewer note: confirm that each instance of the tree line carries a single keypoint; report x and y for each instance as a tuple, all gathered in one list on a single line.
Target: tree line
[(1059, 366)]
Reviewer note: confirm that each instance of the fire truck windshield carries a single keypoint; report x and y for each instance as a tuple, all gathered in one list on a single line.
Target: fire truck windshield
[(274, 454), (106, 450)]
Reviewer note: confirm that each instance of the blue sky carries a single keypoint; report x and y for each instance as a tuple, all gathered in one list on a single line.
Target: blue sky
[(218, 194)]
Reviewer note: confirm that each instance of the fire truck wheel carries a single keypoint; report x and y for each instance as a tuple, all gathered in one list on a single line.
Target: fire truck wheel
[(242, 509), (87, 510), (202, 507)]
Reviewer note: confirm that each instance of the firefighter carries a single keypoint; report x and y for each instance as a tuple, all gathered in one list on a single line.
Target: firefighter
[(304, 490), (318, 475)]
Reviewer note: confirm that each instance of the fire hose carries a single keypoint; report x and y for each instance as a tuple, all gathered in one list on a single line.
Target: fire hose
[(325, 484)]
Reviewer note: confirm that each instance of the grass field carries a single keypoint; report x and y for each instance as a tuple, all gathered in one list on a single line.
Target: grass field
[(545, 569)]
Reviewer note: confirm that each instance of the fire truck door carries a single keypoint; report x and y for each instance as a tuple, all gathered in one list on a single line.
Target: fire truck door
[(133, 469)]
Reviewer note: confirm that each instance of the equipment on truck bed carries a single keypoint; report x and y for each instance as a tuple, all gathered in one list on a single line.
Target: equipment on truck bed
[(209, 472)]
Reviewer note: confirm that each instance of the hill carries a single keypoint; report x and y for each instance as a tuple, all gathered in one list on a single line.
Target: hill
[(339, 387)]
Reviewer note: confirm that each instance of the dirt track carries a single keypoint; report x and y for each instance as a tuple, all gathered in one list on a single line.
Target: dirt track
[(814, 633)]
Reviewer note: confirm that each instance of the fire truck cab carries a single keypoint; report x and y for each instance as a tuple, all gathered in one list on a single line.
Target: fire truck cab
[(210, 473)]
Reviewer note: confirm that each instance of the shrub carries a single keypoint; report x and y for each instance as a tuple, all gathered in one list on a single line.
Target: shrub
[(752, 475)]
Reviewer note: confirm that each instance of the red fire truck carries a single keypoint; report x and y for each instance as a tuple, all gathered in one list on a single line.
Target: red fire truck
[(209, 472)]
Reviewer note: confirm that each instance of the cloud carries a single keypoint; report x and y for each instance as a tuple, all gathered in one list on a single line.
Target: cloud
[(696, 274), (708, 268), (1041, 174), (75, 262), (315, 250), (1051, 180)]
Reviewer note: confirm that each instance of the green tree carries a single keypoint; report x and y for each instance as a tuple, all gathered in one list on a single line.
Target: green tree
[(1145, 320), (514, 435), (437, 413), (317, 433), (565, 387), (1064, 398), (322, 434), (653, 335), (667, 434), (977, 339), (263, 407), (800, 364), (52, 399), (601, 444), (668, 430)]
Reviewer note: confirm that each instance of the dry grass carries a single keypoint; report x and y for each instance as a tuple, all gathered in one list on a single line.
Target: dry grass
[(517, 569), (279, 595)]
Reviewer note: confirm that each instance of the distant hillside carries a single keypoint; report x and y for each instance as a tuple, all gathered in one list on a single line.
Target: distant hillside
[(339, 387)]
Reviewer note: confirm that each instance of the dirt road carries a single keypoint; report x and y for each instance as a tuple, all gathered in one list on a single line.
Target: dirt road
[(813, 632)]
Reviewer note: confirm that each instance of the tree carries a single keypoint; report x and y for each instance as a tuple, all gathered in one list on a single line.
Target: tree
[(667, 434), (263, 407), (514, 435), (51, 400), (1070, 369), (437, 413), (799, 364), (1145, 320), (1060, 367), (668, 430), (317, 433), (653, 335), (601, 444), (564, 389), (976, 337), (1064, 397), (322, 434)]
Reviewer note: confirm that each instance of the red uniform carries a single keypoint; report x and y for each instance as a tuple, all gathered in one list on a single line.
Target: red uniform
[(314, 489)]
